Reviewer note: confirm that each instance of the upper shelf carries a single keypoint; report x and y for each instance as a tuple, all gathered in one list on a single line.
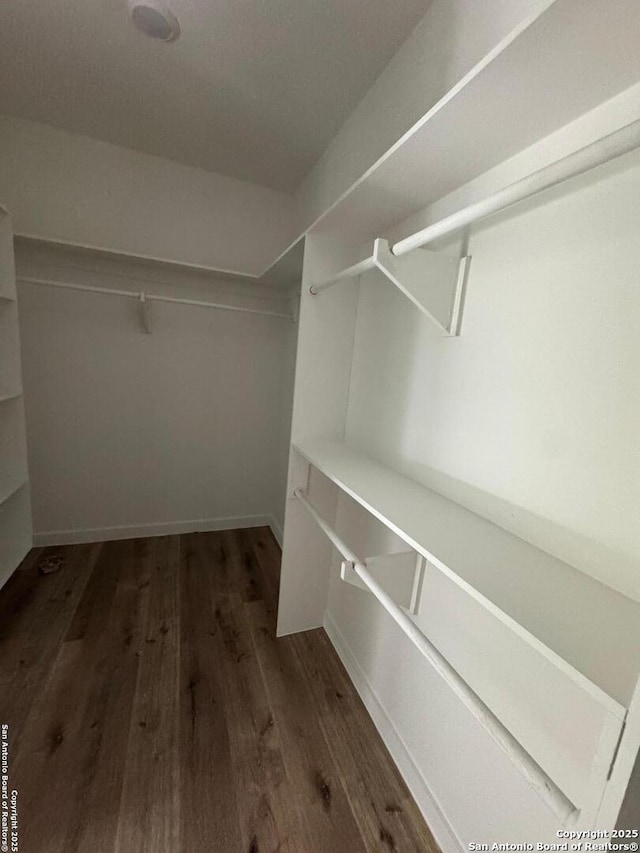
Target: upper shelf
[(583, 53), (534, 593)]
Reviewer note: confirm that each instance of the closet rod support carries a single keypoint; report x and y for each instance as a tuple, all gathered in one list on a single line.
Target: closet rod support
[(145, 320), (535, 775), (432, 281)]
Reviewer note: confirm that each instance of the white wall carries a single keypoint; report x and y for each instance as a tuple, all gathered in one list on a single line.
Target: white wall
[(531, 417), (65, 187), (285, 409), (70, 188), (134, 433)]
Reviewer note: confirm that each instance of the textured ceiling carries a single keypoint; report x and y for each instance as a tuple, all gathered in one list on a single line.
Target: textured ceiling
[(254, 89)]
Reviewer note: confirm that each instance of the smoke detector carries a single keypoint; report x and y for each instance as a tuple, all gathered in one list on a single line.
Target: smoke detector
[(154, 19)]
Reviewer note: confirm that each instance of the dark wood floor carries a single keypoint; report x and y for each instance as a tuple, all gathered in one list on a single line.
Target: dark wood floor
[(152, 710)]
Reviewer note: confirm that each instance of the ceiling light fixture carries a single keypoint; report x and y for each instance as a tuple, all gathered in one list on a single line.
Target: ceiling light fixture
[(154, 19)]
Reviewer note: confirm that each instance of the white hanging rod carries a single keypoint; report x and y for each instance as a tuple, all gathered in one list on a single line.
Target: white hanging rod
[(148, 297), (350, 272), (614, 145), (608, 148), (535, 775)]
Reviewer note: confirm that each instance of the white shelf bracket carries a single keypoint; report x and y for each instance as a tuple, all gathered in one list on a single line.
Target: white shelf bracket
[(294, 304), (400, 575), (418, 583), (145, 319), (433, 281)]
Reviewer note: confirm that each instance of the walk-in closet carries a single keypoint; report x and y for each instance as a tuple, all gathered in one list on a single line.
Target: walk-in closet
[(319, 419)]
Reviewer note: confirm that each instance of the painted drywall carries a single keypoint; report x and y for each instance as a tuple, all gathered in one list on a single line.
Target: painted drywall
[(452, 37), (530, 417), (69, 188), (15, 511), (279, 498), (134, 433), (77, 190), (223, 96)]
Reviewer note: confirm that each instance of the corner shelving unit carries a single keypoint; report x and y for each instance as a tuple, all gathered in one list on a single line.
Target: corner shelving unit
[(15, 506), (545, 657)]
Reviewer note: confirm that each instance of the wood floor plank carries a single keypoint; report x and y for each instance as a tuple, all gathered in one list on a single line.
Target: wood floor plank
[(244, 568), (386, 813), (208, 823), (268, 555), (94, 607), (150, 809), (76, 733), (18, 590), (271, 816), (33, 627), (46, 753), (214, 550), (308, 762), (153, 710), (111, 687)]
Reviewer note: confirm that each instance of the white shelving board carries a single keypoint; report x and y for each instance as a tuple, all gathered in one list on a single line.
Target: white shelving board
[(10, 370), (7, 265), (13, 448), (583, 627), (15, 504), (15, 531), (501, 108)]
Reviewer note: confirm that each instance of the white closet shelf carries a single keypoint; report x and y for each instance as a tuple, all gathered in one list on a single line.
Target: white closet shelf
[(481, 121), (550, 605), (362, 575)]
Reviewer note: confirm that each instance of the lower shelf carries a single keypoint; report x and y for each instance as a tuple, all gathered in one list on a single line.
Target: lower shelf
[(556, 718), (15, 531), (551, 605)]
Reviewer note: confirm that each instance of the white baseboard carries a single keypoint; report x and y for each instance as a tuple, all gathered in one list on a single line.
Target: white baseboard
[(137, 531), (432, 812), (277, 530)]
